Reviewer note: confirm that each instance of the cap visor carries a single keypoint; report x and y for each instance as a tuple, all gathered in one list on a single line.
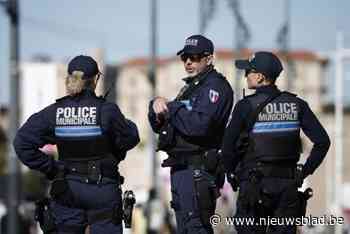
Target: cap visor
[(180, 52), (242, 64)]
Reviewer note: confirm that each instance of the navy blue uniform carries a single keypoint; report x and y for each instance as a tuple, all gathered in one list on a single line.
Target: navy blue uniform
[(198, 121), (272, 126), (87, 129)]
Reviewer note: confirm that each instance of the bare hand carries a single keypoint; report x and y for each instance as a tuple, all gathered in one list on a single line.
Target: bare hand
[(160, 105)]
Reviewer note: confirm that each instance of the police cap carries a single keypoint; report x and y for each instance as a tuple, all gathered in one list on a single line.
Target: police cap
[(197, 44), (85, 64), (263, 62)]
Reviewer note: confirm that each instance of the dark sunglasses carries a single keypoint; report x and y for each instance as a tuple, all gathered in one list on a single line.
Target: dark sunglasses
[(193, 57), (248, 71)]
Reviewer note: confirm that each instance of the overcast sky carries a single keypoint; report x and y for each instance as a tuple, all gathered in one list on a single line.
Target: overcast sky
[(65, 28)]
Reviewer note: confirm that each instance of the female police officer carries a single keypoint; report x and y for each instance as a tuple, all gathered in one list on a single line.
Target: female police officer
[(267, 174), (92, 137)]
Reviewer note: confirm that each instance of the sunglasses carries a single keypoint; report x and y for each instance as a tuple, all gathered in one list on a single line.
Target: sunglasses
[(248, 71), (193, 57)]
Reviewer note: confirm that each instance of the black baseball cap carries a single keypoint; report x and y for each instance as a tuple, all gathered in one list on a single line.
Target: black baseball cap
[(264, 62), (197, 44), (85, 64)]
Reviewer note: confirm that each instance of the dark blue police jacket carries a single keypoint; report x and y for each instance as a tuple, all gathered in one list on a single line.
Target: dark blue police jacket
[(41, 129), (307, 121), (202, 117)]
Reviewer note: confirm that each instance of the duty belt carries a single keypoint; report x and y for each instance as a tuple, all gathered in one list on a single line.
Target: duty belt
[(90, 169), (269, 170), (184, 160), (194, 160)]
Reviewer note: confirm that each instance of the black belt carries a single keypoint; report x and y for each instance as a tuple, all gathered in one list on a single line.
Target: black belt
[(194, 160), (87, 168), (280, 172), (184, 160), (269, 170)]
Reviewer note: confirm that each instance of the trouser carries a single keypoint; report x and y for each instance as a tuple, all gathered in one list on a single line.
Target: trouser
[(89, 199), (185, 203), (279, 202)]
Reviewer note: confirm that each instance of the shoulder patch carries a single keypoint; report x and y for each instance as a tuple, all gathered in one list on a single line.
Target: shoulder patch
[(213, 95)]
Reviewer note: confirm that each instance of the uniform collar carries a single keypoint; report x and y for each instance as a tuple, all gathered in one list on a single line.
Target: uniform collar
[(267, 89)]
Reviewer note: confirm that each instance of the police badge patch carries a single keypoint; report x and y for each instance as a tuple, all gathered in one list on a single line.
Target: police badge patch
[(213, 96)]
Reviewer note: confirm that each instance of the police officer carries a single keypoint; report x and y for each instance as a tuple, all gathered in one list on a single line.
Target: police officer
[(267, 170), (191, 128), (92, 137)]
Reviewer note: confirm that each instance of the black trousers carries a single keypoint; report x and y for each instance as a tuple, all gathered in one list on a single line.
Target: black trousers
[(276, 212), (185, 203)]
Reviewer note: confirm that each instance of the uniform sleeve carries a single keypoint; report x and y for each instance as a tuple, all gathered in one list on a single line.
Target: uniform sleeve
[(232, 132), (318, 136), (152, 118), (198, 119), (33, 135), (123, 131)]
